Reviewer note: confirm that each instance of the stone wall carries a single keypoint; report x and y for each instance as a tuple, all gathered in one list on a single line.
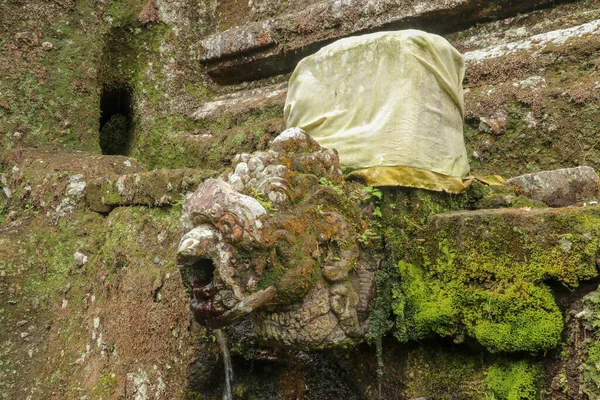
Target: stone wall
[(91, 300)]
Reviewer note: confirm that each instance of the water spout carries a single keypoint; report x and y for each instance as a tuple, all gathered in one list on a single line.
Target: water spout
[(227, 362)]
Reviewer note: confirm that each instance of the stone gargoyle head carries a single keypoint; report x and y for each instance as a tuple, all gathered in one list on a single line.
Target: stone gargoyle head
[(277, 239)]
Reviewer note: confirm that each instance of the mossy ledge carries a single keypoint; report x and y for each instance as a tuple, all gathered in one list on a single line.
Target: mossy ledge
[(485, 274)]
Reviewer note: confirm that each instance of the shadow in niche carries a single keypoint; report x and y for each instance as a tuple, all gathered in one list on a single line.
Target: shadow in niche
[(116, 120), (265, 373)]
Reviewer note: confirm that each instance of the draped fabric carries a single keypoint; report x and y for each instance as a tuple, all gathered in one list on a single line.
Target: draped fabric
[(391, 103)]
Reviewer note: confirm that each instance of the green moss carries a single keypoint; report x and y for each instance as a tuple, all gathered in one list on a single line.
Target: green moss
[(125, 12), (496, 297), (591, 365), (53, 96), (142, 58), (591, 369), (53, 249), (173, 141), (122, 246), (57, 98), (563, 134), (594, 353), (126, 54), (421, 307), (524, 318), (192, 395), (105, 386), (111, 194), (46, 271), (380, 318), (518, 380), (444, 373), (522, 201), (271, 277), (121, 235)]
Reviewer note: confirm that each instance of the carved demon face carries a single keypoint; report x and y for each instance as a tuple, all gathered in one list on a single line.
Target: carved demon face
[(277, 239)]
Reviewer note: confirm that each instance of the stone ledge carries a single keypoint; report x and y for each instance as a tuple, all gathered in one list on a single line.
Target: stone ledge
[(237, 40), (55, 179), (562, 241), (242, 102), (246, 101), (273, 47), (473, 216), (154, 188), (560, 187), (534, 43)]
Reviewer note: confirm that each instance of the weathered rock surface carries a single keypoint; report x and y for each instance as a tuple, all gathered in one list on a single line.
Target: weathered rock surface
[(561, 187), (495, 124), (154, 188), (541, 43), (142, 320), (535, 43)]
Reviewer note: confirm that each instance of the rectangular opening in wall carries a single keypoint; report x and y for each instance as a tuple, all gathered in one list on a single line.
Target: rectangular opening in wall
[(116, 120)]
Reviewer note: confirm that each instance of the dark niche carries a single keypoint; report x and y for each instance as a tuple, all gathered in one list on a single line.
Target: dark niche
[(116, 120)]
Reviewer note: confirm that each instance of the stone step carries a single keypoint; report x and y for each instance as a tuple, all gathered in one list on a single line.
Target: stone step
[(490, 274), (271, 47), (535, 43), (518, 216)]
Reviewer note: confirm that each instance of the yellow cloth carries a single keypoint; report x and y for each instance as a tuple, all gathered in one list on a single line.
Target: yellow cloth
[(412, 177), (491, 180), (388, 99)]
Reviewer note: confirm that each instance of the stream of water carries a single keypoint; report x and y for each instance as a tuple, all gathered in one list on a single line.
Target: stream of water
[(222, 339)]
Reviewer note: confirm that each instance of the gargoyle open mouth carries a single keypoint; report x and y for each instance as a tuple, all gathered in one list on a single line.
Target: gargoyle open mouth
[(219, 291), (203, 290)]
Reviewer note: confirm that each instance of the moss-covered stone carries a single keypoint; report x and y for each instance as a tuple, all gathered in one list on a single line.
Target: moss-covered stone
[(77, 318), (444, 374), (550, 126), (51, 96), (482, 274), (56, 179), (154, 188), (590, 358)]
